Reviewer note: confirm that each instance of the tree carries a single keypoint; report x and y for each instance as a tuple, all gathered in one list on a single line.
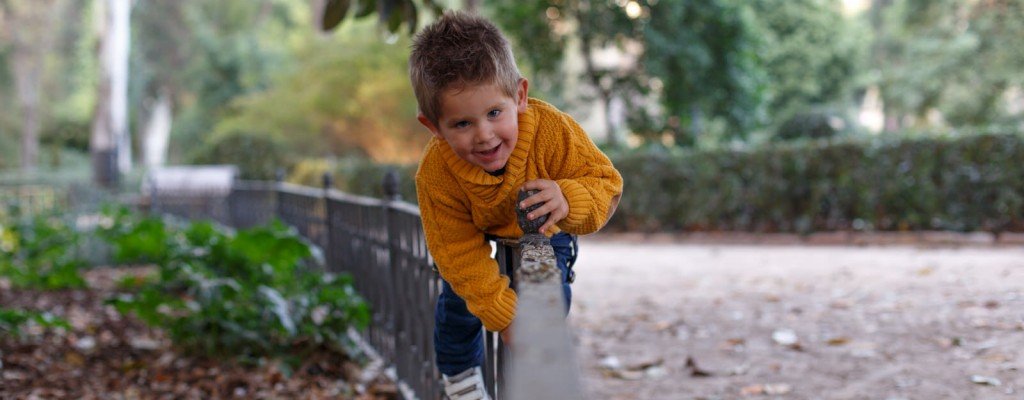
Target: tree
[(355, 102), (27, 27), (109, 143), (948, 62), (161, 41), (705, 55), (811, 54)]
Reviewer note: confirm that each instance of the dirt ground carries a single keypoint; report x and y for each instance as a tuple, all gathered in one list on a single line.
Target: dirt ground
[(688, 321), (108, 356)]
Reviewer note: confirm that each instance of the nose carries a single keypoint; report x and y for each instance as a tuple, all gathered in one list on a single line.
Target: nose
[(484, 133)]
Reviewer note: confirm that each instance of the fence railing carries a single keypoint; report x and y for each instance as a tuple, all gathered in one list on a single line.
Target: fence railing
[(380, 242)]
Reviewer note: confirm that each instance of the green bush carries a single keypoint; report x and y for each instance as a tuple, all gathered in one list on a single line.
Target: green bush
[(40, 251), (356, 176), (258, 156), (961, 183), (252, 294)]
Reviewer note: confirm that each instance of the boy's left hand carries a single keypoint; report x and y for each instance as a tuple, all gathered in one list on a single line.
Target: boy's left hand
[(549, 193)]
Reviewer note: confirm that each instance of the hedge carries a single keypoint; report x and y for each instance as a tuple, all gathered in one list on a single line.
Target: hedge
[(967, 183), (964, 183)]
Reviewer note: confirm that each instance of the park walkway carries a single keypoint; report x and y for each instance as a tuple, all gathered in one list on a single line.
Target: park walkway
[(799, 322)]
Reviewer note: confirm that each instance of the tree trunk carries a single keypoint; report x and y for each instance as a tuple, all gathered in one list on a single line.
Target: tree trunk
[(586, 47), (27, 77), (27, 26), (157, 132), (110, 144)]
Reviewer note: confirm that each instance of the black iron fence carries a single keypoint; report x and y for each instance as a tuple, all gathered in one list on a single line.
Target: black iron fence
[(378, 241)]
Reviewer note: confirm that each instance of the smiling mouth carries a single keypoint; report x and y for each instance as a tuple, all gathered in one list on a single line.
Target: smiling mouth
[(490, 152)]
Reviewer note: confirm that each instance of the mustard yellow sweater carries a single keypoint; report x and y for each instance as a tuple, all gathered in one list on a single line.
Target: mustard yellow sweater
[(460, 202)]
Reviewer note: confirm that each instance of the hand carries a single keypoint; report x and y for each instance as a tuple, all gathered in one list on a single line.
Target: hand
[(506, 336), (549, 193)]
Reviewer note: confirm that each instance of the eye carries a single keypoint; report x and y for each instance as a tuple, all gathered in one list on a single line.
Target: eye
[(494, 113), (460, 124)]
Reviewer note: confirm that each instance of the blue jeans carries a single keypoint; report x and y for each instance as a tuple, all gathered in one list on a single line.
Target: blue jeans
[(458, 335)]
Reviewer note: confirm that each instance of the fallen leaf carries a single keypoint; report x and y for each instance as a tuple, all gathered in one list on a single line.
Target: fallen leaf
[(777, 388), (646, 364), (610, 363), (766, 389), (985, 380), (787, 338), (752, 390), (695, 371), (74, 359), (838, 341)]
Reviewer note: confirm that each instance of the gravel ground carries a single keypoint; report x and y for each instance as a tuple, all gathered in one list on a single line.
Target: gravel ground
[(687, 321)]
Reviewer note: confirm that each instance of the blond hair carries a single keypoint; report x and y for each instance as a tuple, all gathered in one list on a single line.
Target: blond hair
[(456, 51)]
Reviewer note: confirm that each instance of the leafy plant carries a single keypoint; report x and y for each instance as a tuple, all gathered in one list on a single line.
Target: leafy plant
[(40, 252), (12, 321), (251, 294)]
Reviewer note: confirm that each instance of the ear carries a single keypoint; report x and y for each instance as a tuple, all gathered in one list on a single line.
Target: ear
[(522, 95), (429, 125)]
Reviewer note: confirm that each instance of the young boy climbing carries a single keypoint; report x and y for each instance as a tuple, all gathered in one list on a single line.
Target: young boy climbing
[(490, 141)]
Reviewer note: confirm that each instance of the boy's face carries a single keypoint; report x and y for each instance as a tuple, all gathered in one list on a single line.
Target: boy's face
[(480, 123)]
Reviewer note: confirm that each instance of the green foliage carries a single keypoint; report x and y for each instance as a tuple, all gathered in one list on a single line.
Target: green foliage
[(391, 13), (963, 183), (227, 58), (814, 123), (812, 55), (949, 56), (708, 49), (40, 252), (257, 155), (347, 96), (357, 176), (251, 294), (12, 321)]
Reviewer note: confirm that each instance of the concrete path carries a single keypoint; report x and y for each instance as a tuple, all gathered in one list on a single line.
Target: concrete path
[(686, 321)]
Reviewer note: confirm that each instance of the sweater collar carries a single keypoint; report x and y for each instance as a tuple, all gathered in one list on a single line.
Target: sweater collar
[(493, 189)]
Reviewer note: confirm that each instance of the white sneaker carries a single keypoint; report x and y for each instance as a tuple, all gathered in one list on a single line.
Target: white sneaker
[(466, 385)]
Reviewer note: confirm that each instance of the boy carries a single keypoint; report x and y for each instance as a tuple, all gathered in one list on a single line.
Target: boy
[(490, 141)]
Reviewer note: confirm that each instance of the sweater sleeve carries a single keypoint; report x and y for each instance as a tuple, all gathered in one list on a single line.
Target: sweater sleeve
[(462, 255), (590, 183)]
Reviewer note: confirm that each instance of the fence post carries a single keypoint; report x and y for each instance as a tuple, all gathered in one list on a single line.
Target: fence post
[(390, 186), (278, 182), (328, 244), (154, 201)]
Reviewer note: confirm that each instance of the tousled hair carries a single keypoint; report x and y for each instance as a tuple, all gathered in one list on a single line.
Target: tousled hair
[(459, 50)]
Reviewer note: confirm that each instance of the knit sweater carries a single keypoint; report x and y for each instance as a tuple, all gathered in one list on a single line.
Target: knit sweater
[(460, 202)]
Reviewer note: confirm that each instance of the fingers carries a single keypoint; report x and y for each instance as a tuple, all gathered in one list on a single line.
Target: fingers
[(553, 203), (546, 190), (556, 215)]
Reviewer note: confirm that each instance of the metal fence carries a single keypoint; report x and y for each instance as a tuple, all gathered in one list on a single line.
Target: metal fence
[(378, 241)]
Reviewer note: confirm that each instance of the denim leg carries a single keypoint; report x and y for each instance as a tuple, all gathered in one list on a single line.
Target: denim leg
[(566, 248), (458, 335)]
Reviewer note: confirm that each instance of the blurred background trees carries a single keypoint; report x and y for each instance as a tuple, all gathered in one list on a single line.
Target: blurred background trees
[(212, 81)]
